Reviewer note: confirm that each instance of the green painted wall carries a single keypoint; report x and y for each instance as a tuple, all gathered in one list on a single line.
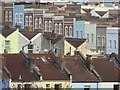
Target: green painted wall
[(13, 42), (2, 43)]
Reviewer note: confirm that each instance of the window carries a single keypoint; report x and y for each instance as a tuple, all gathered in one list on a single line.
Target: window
[(40, 23), (66, 31), (30, 48), (46, 25), (6, 15), (7, 45), (47, 86), (36, 23), (70, 31), (116, 87), (19, 87), (115, 44), (87, 87), (110, 44), (50, 26), (30, 20), (26, 20), (103, 40), (88, 37), (57, 87), (16, 18), (60, 28), (81, 34), (56, 28), (98, 40), (43, 59), (10, 15), (77, 33), (92, 38), (20, 18)]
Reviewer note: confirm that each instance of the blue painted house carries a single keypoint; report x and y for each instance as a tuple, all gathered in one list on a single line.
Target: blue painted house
[(18, 14), (79, 27)]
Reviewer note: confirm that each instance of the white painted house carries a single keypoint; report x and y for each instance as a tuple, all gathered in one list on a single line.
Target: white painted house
[(112, 40), (90, 34)]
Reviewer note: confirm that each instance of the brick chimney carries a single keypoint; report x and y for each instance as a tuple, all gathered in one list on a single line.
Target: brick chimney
[(89, 63), (31, 63)]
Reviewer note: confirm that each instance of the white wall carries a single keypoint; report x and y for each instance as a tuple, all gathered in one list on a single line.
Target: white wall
[(36, 40), (112, 34), (91, 29)]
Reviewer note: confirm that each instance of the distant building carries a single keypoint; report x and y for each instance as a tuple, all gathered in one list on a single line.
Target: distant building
[(112, 40)]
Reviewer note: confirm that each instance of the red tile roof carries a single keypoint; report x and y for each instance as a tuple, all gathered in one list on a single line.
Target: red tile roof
[(17, 67), (107, 70), (78, 70), (48, 70)]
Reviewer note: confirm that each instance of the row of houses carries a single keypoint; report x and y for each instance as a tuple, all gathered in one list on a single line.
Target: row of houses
[(55, 72), (102, 40)]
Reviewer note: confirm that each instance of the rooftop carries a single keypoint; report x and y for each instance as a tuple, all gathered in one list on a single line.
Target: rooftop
[(107, 69), (48, 68), (79, 72), (17, 68)]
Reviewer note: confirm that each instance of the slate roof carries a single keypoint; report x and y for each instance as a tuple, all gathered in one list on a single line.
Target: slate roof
[(29, 35), (6, 33), (108, 70), (48, 70), (17, 67), (75, 41), (78, 70)]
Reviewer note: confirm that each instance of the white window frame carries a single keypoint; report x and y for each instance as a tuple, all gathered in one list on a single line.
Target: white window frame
[(70, 31), (66, 31), (98, 40), (10, 15), (6, 15), (88, 37), (30, 20), (50, 26), (16, 18), (60, 28), (56, 28), (103, 41), (20, 18), (26, 20), (40, 23), (36, 23), (46, 25)]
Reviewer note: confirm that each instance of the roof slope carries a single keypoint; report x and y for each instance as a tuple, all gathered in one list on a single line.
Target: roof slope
[(48, 70), (107, 70), (17, 67), (78, 70), (75, 41)]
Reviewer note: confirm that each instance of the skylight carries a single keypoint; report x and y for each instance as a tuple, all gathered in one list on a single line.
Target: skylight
[(43, 59)]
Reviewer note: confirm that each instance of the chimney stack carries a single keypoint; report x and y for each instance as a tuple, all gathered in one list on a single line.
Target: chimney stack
[(31, 63)]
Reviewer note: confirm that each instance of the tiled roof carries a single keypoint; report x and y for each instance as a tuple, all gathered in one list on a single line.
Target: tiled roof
[(78, 70), (6, 33), (48, 70), (101, 13), (29, 35), (107, 70), (17, 67), (75, 41)]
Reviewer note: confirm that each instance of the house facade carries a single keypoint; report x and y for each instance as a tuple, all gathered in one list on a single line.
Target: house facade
[(90, 35), (79, 29), (112, 40), (101, 38)]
